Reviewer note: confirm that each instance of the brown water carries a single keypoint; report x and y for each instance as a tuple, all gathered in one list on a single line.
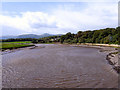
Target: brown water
[(54, 66)]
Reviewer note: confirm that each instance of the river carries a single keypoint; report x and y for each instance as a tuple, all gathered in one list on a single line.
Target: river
[(57, 66)]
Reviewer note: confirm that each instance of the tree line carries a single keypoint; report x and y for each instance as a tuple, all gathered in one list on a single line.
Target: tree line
[(103, 36)]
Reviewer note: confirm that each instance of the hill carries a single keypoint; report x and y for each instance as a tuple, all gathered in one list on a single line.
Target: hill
[(27, 36)]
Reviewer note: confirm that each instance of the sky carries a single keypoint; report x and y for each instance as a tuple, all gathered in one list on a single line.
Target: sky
[(57, 17)]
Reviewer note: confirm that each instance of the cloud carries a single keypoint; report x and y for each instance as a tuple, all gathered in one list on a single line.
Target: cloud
[(96, 15), (62, 20), (15, 22), (29, 21)]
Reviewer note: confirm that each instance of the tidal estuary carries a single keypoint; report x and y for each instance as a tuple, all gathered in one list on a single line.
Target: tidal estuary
[(57, 66)]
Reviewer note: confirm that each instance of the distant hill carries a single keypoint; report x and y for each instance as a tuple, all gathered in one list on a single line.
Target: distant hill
[(7, 37), (29, 36)]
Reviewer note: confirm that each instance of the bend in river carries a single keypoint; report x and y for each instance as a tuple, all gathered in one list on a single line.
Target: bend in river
[(57, 66)]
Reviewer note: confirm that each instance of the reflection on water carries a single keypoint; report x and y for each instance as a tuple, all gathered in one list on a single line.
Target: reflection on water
[(57, 66)]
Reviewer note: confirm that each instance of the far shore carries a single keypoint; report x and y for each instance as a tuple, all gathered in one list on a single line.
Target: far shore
[(95, 44)]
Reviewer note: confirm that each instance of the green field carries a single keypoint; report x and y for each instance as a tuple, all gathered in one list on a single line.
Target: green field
[(14, 45), (18, 42)]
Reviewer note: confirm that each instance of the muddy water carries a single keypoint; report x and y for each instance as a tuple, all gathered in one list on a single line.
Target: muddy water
[(57, 66)]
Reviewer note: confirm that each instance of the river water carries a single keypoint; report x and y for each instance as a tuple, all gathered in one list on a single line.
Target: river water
[(57, 66)]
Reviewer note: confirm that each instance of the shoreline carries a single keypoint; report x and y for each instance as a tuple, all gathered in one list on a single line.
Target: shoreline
[(73, 67), (112, 52), (16, 49)]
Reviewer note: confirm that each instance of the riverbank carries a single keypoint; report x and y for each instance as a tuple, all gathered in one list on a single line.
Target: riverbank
[(112, 52), (6, 51), (14, 45)]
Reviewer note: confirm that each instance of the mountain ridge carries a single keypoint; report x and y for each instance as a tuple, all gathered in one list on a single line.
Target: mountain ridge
[(28, 36)]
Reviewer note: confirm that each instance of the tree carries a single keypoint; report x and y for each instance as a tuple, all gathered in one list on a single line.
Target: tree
[(34, 41)]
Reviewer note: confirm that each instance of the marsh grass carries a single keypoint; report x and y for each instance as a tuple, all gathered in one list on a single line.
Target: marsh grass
[(19, 42), (14, 45)]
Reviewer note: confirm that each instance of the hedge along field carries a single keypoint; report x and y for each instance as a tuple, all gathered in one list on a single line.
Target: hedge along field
[(18, 42)]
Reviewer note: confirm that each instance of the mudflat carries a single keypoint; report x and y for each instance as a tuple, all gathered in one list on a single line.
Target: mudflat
[(57, 66)]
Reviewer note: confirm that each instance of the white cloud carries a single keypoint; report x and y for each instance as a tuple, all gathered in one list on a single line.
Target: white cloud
[(95, 16), (29, 21), (62, 20), (15, 22)]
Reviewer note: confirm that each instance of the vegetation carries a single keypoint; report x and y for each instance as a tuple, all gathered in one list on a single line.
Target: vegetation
[(102, 36), (14, 45), (16, 40), (22, 42), (4, 46)]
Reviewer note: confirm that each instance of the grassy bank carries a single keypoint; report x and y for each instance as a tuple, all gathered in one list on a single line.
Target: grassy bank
[(23, 42), (14, 45)]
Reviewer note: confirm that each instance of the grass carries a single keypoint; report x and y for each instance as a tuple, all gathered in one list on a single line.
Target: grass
[(19, 42), (14, 45)]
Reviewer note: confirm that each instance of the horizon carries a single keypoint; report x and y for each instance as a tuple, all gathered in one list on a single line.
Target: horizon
[(52, 34), (19, 18)]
